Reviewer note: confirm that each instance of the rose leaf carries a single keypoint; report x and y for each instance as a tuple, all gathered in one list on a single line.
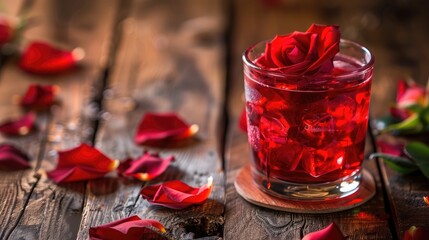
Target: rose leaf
[(419, 152)]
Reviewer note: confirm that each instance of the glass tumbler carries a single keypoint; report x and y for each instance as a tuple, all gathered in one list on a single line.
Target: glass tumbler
[(307, 133)]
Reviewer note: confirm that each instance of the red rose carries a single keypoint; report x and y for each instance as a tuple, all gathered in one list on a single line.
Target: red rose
[(306, 53)]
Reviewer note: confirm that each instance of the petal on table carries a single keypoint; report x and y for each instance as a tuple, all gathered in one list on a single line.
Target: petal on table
[(331, 232), (129, 228), (20, 126), (39, 97), (416, 233), (176, 194), (12, 158), (43, 58), (146, 167), (160, 127), (81, 163)]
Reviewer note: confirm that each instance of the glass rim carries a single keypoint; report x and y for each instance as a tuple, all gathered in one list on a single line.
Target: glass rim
[(276, 73)]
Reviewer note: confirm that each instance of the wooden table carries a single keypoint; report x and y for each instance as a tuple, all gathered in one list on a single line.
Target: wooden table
[(185, 56)]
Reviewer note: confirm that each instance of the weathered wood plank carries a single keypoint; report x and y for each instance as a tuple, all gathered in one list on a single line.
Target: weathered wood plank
[(69, 24), (170, 59), (246, 221), (16, 186)]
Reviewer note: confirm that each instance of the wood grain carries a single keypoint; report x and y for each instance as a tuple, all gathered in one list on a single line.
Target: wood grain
[(69, 25), (169, 60)]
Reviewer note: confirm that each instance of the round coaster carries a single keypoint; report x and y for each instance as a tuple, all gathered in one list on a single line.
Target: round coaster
[(247, 188)]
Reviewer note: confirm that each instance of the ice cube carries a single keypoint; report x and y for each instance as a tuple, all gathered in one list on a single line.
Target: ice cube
[(317, 129), (285, 156), (320, 161), (343, 109), (274, 127)]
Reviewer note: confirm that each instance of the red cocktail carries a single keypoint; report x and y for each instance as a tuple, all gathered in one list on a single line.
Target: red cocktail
[(307, 133)]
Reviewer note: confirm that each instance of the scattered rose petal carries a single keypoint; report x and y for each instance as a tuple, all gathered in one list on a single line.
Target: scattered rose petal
[(416, 233), (243, 121), (426, 199), (146, 167), (43, 58), (39, 97), (6, 31), (160, 127), (176, 194), (130, 228), (81, 163), (11, 158), (331, 232), (21, 126)]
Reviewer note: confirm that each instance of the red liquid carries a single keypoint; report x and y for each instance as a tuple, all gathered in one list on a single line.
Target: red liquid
[(311, 130)]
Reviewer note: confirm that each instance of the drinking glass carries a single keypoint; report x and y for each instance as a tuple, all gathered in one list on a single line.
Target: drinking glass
[(307, 133)]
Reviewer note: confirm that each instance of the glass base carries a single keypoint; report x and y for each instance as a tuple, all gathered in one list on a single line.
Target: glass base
[(308, 192)]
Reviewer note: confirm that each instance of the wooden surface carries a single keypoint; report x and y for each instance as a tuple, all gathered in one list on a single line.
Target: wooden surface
[(185, 56)]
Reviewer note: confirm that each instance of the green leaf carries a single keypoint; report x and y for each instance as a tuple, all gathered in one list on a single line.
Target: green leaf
[(415, 107), (419, 152), (424, 116), (399, 164), (410, 125)]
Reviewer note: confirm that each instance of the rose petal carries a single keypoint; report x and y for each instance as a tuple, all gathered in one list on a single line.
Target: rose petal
[(146, 167), (243, 121), (392, 149), (408, 94), (426, 199), (156, 128), (176, 194), (39, 97), (416, 233), (21, 126), (308, 53), (5, 31), (81, 163), (43, 58), (11, 158), (331, 232), (130, 228)]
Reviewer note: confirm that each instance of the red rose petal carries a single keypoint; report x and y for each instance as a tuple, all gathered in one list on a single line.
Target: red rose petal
[(130, 228), (426, 199), (43, 58), (81, 163), (5, 31), (392, 149), (146, 167), (159, 127), (39, 97), (331, 232), (309, 53), (176, 194), (21, 126), (243, 121), (416, 233), (11, 158), (407, 94)]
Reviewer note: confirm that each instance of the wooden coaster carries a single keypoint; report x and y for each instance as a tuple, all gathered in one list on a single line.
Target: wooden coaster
[(247, 188)]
